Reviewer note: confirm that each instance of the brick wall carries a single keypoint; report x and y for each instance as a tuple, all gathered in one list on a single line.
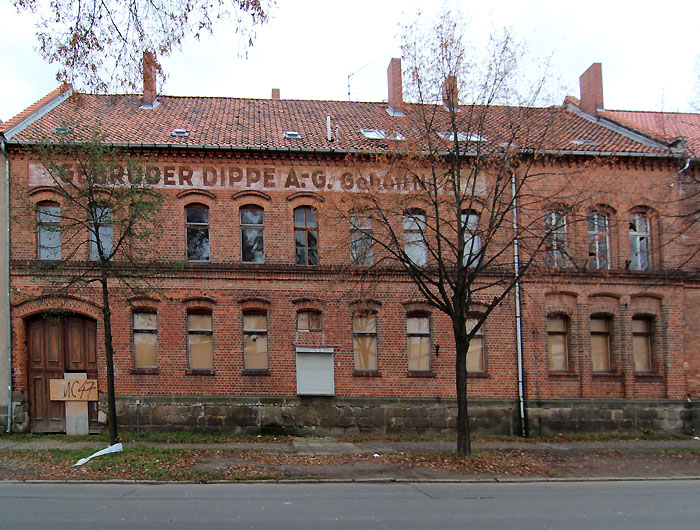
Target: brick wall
[(227, 288)]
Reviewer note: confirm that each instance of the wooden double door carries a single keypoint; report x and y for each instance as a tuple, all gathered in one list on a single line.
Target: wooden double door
[(56, 346)]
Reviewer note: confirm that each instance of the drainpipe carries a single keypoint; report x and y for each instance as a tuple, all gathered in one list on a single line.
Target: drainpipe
[(518, 312), (6, 265)]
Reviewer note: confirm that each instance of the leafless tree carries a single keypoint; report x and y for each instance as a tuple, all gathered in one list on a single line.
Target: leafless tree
[(98, 46), (458, 194), (97, 232)]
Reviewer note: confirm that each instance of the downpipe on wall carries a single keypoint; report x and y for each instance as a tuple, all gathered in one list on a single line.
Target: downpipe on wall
[(518, 312)]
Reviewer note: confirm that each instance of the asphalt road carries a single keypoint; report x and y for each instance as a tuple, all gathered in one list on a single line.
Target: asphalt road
[(540, 505)]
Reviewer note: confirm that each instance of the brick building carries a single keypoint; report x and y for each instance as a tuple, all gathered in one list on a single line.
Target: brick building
[(264, 325)]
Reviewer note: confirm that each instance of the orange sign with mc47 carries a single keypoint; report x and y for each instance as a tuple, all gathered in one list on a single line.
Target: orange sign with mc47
[(73, 389)]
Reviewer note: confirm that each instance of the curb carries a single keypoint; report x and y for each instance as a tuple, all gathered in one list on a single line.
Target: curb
[(387, 480)]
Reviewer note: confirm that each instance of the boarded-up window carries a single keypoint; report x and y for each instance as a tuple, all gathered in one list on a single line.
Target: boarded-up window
[(641, 344), (200, 344), (255, 341), (600, 344), (558, 343), (475, 354), (145, 340), (309, 321), (418, 339), (364, 341)]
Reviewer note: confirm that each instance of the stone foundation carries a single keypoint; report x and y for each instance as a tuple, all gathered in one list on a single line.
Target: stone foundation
[(348, 416)]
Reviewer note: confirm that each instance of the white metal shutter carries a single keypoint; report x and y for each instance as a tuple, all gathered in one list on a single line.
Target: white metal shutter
[(315, 372)]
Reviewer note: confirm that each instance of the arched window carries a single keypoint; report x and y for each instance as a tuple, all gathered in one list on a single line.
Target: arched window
[(642, 329), (200, 340), (640, 248), (361, 253), (418, 341), (598, 227), (197, 232), (49, 231), (101, 234), (255, 341), (555, 239), (558, 343), (414, 237), (475, 355), (145, 333), (472, 238), (252, 235), (364, 341), (600, 343), (309, 321), (306, 236)]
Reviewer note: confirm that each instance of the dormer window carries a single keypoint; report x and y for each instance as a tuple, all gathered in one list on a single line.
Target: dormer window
[(180, 133)]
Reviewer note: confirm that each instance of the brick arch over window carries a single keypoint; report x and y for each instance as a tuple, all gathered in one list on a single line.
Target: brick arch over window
[(251, 195), (81, 306)]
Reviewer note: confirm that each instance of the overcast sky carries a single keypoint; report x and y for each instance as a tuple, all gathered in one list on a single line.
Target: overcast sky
[(311, 46)]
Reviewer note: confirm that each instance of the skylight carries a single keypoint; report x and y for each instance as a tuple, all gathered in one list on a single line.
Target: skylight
[(62, 129), (584, 141), (461, 137), (294, 135), (181, 133), (378, 134)]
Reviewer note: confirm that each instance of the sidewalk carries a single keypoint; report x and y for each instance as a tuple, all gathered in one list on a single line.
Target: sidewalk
[(330, 459), (313, 446)]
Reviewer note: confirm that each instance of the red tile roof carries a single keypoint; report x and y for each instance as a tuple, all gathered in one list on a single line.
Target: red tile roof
[(261, 124), (9, 124), (667, 125)]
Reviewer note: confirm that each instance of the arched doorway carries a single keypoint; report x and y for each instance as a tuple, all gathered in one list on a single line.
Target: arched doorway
[(57, 345)]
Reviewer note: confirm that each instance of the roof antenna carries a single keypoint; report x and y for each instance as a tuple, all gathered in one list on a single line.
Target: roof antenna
[(350, 77)]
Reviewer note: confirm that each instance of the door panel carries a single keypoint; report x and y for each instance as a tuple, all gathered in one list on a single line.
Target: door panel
[(57, 346)]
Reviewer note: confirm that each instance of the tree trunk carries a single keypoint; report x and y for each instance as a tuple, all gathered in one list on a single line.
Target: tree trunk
[(107, 321), (464, 444)]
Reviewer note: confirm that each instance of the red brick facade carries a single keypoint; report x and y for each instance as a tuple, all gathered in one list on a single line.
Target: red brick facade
[(224, 182)]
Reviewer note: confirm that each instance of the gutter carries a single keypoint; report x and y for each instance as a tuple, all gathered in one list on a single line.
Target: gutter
[(6, 266), (331, 151), (518, 313)]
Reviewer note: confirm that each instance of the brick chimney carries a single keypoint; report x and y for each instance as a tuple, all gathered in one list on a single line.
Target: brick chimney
[(449, 92), (591, 86), (395, 85), (275, 93), (149, 79)]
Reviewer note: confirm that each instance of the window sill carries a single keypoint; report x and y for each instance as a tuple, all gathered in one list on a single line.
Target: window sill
[(145, 371), (607, 376), (420, 374), (478, 375), (366, 373), (265, 372), (648, 376), (200, 372), (564, 374)]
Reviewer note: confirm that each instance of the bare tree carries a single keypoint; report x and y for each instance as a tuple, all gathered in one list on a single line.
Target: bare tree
[(98, 45), (97, 232), (459, 198)]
